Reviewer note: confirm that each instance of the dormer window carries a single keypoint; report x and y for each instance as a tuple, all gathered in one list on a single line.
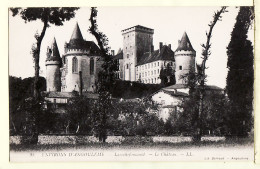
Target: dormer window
[(180, 67)]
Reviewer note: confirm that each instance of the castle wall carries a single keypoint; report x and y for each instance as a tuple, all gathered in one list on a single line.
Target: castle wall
[(72, 80), (53, 76)]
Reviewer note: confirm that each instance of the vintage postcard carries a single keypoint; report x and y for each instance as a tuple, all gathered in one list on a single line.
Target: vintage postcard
[(131, 84)]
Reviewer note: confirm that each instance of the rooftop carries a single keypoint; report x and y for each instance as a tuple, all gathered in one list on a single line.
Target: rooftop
[(77, 42), (184, 43), (53, 52), (165, 54), (138, 27)]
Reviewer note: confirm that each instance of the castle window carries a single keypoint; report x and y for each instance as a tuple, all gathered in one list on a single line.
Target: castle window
[(66, 68), (91, 66), (127, 55), (126, 66), (151, 72), (145, 74), (158, 64), (74, 65), (180, 67), (154, 71), (154, 80), (158, 71), (154, 64)]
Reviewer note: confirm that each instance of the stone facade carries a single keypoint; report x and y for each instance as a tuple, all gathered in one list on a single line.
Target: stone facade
[(137, 40)]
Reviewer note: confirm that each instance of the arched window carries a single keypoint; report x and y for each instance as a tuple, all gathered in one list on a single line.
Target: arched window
[(91, 66), (74, 65)]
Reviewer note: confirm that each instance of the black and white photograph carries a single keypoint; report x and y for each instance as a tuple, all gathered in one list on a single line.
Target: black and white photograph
[(131, 84)]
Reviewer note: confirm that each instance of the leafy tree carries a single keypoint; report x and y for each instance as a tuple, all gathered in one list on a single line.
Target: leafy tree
[(19, 90), (106, 79), (78, 115), (213, 117), (167, 76), (240, 78), (199, 78), (48, 16)]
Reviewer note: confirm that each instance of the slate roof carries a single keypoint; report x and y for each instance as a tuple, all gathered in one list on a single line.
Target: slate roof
[(77, 42), (138, 26), (165, 54), (54, 52), (184, 43), (118, 56)]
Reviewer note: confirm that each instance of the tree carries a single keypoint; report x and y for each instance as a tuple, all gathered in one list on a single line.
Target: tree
[(106, 79), (79, 115), (167, 76), (240, 78), (48, 16), (199, 77)]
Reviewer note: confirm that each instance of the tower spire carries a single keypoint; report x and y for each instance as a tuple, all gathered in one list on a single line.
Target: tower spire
[(184, 43), (76, 33), (53, 51)]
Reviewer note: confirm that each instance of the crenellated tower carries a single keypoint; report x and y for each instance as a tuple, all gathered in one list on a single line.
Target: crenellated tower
[(184, 59), (137, 40), (53, 64)]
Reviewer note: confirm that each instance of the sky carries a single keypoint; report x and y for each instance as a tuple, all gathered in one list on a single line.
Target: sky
[(169, 24)]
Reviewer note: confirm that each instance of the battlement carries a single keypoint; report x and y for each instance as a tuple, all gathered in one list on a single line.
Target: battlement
[(138, 28), (184, 53)]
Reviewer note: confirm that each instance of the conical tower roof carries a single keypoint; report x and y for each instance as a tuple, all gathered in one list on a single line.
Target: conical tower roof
[(76, 40), (184, 43), (53, 51), (76, 33)]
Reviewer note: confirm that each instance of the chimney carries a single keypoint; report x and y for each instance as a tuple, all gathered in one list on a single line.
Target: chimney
[(112, 52), (170, 46), (80, 83), (160, 46), (152, 48)]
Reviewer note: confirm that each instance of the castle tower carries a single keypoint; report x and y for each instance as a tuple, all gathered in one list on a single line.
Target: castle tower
[(81, 62), (53, 63), (137, 40), (184, 59)]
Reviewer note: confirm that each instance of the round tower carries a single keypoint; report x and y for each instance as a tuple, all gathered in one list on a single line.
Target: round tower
[(184, 59), (53, 64)]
